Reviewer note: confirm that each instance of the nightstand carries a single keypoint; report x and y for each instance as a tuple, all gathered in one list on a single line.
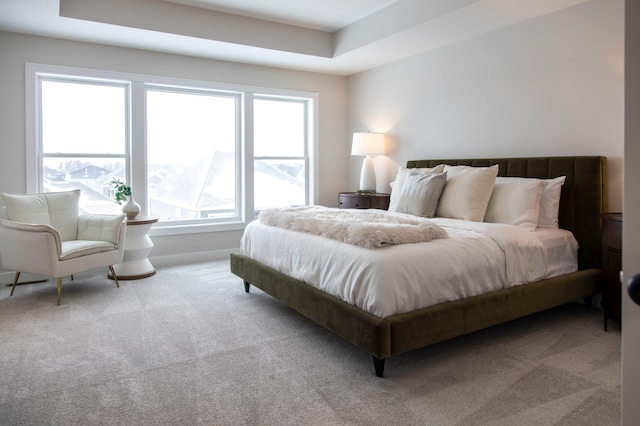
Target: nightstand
[(611, 266), (354, 200)]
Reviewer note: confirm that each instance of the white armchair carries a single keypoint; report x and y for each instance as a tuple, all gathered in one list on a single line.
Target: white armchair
[(45, 234)]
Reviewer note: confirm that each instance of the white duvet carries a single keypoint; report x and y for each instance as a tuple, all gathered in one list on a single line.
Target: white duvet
[(475, 258)]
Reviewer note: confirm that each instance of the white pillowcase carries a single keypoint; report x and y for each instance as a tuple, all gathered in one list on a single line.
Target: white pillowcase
[(550, 202), (467, 191), (397, 185), (515, 201), (420, 194)]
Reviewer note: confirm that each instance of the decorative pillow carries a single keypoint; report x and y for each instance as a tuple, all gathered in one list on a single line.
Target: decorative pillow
[(515, 201), (420, 194), (403, 172), (467, 191), (550, 202)]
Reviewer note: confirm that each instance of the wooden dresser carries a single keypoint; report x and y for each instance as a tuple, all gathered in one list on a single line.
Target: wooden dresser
[(611, 266)]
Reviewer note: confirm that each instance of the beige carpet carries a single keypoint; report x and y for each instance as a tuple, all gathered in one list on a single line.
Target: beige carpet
[(189, 346)]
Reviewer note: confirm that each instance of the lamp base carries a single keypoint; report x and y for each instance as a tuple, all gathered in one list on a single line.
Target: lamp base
[(368, 175), (366, 192)]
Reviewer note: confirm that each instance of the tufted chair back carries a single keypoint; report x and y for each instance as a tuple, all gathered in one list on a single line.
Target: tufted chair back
[(60, 210)]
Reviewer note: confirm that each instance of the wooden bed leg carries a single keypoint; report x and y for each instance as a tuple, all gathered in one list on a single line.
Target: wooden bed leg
[(246, 287), (379, 365)]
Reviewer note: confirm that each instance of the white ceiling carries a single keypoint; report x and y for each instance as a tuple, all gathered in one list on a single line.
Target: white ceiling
[(330, 36), (324, 15)]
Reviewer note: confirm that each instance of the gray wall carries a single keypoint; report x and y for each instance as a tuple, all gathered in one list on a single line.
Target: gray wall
[(549, 86), (16, 50)]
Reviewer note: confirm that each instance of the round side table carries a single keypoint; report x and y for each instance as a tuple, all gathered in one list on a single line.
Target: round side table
[(137, 246)]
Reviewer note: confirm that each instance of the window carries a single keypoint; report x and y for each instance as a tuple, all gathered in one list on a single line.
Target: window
[(83, 129), (195, 153), (192, 139), (280, 152)]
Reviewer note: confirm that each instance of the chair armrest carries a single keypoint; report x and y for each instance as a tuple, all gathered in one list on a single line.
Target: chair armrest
[(100, 227), (28, 230), (31, 227)]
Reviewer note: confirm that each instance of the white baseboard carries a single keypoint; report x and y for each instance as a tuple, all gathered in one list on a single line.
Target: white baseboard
[(186, 258), (6, 277)]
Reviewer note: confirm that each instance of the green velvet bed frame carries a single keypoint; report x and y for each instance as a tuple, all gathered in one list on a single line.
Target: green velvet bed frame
[(582, 203)]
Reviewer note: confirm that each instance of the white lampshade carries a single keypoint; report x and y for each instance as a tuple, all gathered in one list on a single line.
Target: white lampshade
[(368, 144)]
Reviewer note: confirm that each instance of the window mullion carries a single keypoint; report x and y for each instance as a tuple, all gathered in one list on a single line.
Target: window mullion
[(248, 160), (137, 144)]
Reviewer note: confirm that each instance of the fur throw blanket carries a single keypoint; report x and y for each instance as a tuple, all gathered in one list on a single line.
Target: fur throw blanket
[(365, 228)]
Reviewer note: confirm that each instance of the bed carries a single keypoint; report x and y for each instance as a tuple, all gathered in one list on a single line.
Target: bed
[(582, 202)]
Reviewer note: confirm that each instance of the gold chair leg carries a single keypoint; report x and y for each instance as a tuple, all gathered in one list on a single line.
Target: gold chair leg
[(15, 282), (113, 274), (59, 289)]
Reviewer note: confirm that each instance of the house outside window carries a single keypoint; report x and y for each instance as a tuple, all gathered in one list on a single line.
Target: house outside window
[(196, 154)]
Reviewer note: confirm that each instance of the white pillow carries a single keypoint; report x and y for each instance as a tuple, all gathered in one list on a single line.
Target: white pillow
[(467, 191), (515, 201), (396, 186), (550, 202), (420, 194)]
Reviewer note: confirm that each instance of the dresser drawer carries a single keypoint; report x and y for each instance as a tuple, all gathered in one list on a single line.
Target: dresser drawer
[(612, 232)]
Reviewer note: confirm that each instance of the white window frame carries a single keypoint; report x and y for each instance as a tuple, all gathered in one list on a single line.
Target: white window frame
[(308, 108), (239, 97), (137, 137), (41, 155)]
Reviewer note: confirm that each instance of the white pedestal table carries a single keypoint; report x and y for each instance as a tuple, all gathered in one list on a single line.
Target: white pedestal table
[(137, 246)]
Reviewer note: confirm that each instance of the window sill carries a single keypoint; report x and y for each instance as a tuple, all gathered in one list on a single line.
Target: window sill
[(163, 230)]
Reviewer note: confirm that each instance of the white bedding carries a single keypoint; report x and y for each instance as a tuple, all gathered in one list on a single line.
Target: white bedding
[(562, 250), (475, 258)]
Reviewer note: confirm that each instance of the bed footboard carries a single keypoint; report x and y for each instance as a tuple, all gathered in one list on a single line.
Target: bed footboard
[(384, 337), (371, 333)]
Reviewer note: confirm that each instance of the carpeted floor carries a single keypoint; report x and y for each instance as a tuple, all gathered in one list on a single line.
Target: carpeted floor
[(189, 346)]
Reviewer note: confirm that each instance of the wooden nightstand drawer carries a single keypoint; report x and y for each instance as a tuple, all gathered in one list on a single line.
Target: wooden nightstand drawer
[(353, 200)]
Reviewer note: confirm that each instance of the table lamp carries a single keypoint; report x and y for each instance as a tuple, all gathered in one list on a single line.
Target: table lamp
[(368, 144)]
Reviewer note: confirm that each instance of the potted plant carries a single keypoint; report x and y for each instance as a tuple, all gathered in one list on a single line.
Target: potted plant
[(131, 208)]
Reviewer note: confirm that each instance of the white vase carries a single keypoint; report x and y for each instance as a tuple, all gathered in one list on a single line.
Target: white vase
[(131, 209)]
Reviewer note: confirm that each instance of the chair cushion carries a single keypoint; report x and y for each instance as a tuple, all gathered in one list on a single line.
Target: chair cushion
[(58, 209), (99, 227), (77, 248)]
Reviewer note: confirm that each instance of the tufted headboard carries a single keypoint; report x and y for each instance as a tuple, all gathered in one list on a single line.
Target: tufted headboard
[(583, 199)]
